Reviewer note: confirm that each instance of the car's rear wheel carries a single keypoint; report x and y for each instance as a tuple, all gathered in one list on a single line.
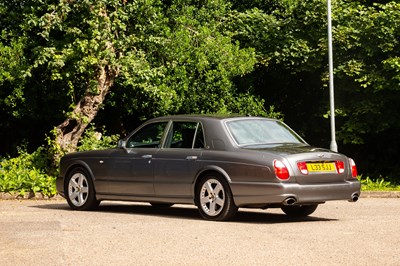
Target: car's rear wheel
[(214, 198), (80, 192), (300, 210)]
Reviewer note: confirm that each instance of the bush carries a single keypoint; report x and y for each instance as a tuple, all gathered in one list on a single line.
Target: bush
[(34, 172), (379, 184), (28, 172)]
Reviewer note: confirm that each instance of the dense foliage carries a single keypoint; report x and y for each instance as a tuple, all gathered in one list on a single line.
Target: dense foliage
[(67, 64), (291, 43), (27, 173)]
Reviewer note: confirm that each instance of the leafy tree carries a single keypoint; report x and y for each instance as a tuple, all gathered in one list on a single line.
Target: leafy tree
[(150, 57), (290, 41), (368, 69), (368, 75), (198, 62), (291, 46), (86, 45)]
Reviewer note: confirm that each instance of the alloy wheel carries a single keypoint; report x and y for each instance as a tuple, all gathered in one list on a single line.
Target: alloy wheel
[(78, 189), (212, 197)]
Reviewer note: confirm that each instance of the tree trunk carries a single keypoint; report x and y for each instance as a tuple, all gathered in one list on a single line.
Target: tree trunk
[(69, 132)]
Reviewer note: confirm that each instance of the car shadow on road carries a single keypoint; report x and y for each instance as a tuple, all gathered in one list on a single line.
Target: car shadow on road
[(265, 217), (191, 213)]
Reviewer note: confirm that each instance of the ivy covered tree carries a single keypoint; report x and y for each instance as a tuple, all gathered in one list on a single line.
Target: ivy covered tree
[(85, 45), (150, 57)]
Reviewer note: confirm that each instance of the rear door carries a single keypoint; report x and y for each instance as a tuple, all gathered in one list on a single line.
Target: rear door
[(176, 165)]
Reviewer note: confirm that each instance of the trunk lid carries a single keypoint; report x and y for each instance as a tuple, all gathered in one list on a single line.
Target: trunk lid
[(319, 165)]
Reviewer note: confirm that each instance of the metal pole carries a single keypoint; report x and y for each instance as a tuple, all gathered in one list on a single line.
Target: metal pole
[(333, 146)]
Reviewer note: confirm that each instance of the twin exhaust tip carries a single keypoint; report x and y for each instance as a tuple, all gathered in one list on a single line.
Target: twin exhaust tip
[(292, 200)]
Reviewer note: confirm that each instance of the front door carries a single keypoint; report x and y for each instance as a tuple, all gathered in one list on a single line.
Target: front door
[(132, 169)]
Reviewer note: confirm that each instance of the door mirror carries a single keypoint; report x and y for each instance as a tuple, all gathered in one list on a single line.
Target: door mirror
[(121, 143)]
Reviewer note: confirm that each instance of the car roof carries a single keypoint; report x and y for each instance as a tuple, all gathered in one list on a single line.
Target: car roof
[(208, 117)]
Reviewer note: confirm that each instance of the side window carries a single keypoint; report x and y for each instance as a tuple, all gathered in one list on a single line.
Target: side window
[(148, 136), (186, 135)]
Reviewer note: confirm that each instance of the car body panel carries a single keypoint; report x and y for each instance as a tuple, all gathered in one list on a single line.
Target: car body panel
[(130, 172), (175, 171)]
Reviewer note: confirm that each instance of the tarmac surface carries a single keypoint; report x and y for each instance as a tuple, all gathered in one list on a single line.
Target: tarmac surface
[(47, 232)]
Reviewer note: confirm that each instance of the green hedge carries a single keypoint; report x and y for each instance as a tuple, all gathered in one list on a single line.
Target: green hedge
[(33, 172), (28, 172)]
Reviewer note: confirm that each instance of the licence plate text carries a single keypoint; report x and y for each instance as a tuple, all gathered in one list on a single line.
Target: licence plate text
[(321, 167)]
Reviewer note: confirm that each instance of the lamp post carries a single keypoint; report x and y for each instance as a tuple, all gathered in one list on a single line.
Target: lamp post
[(333, 145)]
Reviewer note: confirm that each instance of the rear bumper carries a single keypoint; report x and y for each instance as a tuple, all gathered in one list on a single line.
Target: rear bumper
[(276, 193)]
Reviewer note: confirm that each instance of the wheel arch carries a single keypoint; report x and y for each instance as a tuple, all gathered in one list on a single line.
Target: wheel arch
[(90, 201), (228, 209), (207, 170), (79, 164)]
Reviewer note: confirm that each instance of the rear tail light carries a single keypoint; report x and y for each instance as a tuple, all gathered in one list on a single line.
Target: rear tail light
[(353, 168), (340, 167), (303, 168), (281, 171)]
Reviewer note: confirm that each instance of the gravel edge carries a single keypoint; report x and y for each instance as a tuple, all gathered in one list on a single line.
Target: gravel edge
[(380, 194), (27, 196)]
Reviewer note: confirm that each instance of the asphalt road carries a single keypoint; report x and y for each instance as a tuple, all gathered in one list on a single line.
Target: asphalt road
[(46, 232)]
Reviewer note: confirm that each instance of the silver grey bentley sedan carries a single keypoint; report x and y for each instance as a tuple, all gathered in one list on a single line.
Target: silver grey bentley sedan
[(218, 163)]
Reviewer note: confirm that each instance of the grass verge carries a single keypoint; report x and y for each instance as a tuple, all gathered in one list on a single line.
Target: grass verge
[(380, 184)]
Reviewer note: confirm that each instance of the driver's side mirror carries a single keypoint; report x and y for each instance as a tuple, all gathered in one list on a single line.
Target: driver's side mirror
[(121, 143)]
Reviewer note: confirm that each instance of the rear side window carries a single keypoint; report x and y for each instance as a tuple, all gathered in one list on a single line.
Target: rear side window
[(185, 135)]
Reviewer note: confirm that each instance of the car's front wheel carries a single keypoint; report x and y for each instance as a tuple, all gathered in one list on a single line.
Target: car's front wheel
[(80, 192), (214, 198), (299, 211)]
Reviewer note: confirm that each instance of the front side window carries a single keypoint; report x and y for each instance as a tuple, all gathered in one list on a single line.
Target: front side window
[(148, 136), (261, 131), (186, 135)]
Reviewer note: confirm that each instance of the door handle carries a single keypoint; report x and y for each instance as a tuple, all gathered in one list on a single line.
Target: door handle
[(147, 156), (191, 158)]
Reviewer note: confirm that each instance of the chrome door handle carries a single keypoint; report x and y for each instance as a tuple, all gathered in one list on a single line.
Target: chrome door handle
[(147, 156), (191, 158)]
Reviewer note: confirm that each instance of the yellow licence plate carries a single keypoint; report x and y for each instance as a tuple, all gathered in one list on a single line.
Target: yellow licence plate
[(321, 167)]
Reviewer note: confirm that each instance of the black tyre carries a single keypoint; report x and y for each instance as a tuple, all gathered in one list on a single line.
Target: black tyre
[(299, 211), (214, 198), (79, 191)]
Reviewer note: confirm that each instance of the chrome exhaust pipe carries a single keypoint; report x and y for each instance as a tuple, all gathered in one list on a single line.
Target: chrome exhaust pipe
[(354, 197), (289, 201)]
